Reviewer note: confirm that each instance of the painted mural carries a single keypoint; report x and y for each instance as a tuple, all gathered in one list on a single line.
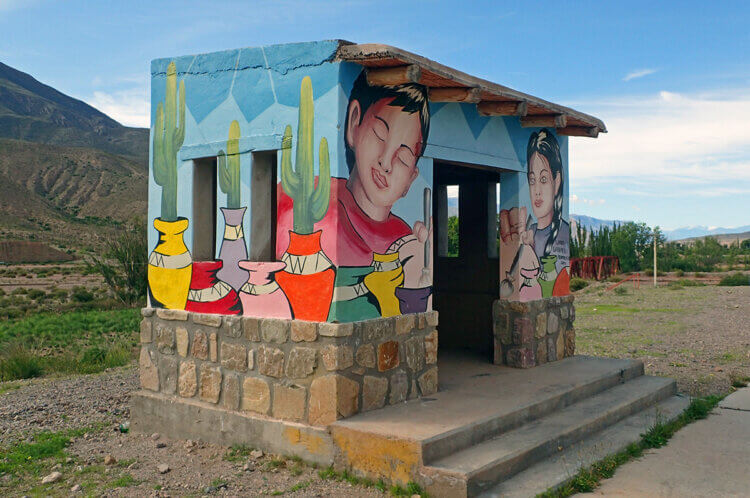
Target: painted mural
[(534, 246), (354, 227)]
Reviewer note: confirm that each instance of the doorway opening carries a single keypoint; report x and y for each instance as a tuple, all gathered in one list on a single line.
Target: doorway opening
[(467, 274)]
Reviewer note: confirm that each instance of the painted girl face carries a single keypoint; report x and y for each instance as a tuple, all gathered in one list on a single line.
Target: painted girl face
[(543, 187), (386, 145)]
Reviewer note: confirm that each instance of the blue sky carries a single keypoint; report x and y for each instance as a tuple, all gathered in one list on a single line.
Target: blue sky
[(671, 80)]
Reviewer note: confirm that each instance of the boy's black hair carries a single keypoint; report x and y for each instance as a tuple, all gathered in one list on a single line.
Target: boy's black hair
[(411, 97)]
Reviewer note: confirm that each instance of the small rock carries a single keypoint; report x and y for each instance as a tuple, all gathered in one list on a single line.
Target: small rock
[(163, 468), (53, 477), (248, 467), (68, 460), (109, 460), (256, 454), (57, 466), (75, 489), (190, 444), (155, 436), (133, 465), (161, 444)]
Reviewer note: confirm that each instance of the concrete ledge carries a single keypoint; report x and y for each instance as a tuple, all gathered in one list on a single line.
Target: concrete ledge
[(180, 418)]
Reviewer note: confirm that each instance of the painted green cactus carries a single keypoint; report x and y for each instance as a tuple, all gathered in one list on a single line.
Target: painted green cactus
[(310, 201), (168, 139), (229, 167)]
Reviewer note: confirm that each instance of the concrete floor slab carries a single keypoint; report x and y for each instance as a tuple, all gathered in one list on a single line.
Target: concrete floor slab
[(739, 400), (710, 457)]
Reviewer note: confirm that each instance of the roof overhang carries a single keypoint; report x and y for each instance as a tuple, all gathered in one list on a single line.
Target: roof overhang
[(388, 65)]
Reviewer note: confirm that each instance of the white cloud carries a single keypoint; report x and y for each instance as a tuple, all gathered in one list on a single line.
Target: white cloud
[(681, 140), (638, 73), (590, 202), (129, 107)]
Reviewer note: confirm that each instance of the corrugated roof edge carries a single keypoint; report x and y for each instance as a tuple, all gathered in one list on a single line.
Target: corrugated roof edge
[(360, 53)]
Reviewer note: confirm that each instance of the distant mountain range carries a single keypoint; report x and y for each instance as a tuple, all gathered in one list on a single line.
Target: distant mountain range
[(65, 167), (676, 234)]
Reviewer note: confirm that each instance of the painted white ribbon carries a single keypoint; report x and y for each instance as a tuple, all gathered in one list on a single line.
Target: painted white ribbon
[(306, 265), (259, 290), (214, 293), (170, 262)]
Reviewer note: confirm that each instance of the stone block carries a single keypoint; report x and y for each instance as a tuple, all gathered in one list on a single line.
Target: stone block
[(431, 347), (551, 347), (387, 355), (421, 321), (251, 328), (301, 362), (231, 391), (553, 323), (187, 383), (501, 325), (250, 359), (414, 352), (432, 318), (200, 345), (327, 329), (273, 330), (560, 345), (366, 356), (570, 342), (304, 331), (405, 324), (414, 393), (332, 397), (523, 331), (145, 312), (541, 325), (399, 387), (231, 327), (148, 370), (497, 354), (178, 315), (207, 319), (378, 329), (183, 340), (234, 356), (337, 357), (164, 339), (168, 374), (519, 307), (428, 382), (270, 361), (564, 312), (522, 357), (256, 395), (541, 352), (210, 385), (213, 349), (374, 390), (146, 331), (572, 313), (289, 402)]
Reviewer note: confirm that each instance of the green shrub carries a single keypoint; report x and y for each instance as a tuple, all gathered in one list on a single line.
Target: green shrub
[(36, 294), (621, 291), (679, 272), (18, 363), (699, 275), (686, 282), (81, 295), (577, 284), (615, 278), (19, 291), (735, 280)]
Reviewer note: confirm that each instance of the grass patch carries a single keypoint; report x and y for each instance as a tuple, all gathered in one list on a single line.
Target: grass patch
[(739, 381), (577, 283), (18, 363), (237, 453), (124, 481), (330, 474), (735, 280), (588, 478), (10, 386), (300, 486)]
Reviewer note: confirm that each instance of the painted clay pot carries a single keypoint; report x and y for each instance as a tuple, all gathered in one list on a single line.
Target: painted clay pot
[(233, 249), (562, 283), (413, 300), (308, 277), (261, 295), (170, 266), (549, 275), (352, 300), (386, 276), (208, 294)]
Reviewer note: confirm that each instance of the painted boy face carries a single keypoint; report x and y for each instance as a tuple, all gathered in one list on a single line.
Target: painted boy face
[(386, 144), (543, 187)]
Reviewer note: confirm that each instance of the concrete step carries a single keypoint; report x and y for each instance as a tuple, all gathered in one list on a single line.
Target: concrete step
[(476, 469), (555, 398), (560, 467)]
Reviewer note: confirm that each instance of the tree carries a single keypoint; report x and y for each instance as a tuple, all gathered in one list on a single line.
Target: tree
[(630, 244)]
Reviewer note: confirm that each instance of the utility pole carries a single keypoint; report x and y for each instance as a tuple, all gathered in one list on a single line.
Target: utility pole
[(655, 235)]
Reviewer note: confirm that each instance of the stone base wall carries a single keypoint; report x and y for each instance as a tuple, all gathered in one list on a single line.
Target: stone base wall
[(309, 372), (533, 333)]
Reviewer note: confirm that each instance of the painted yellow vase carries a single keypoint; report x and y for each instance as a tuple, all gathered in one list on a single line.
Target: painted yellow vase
[(382, 282), (170, 266)]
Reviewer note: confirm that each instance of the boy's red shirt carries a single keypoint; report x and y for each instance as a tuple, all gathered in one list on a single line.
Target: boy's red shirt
[(349, 236)]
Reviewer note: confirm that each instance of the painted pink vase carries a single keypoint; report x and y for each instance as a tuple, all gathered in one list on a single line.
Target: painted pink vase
[(261, 295)]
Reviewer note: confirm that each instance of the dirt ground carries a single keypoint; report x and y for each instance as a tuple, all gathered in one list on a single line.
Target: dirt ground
[(699, 336)]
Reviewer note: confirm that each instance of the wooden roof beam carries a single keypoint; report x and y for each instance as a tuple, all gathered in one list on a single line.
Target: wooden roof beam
[(398, 75), (455, 94), (495, 108), (538, 120), (579, 131)]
